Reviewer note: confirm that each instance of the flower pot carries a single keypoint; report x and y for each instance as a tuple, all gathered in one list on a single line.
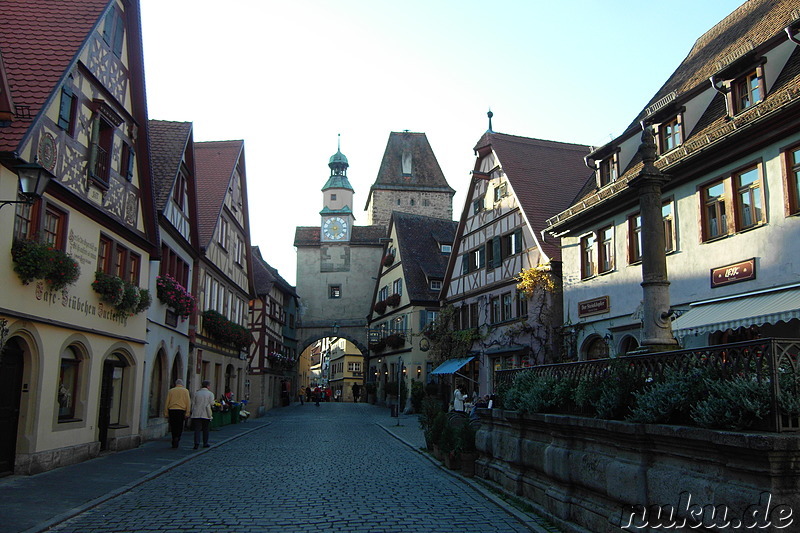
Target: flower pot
[(468, 463)]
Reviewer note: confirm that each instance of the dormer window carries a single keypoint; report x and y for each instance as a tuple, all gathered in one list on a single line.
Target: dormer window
[(608, 170), (406, 164), (747, 91), (670, 134), (446, 248)]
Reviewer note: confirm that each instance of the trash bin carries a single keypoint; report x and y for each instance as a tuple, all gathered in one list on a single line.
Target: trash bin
[(394, 410)]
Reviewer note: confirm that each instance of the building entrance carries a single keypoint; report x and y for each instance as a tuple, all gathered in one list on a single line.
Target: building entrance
[(10, 391)]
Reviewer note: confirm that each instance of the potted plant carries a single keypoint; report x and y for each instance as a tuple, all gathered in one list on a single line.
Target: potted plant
[(174, 295), (466, 449), (378, 346), (429, 409), (447, 447), (395, 340), (110, 288), (437, 428), (388, 259), (36, 260), (393, 300), (380, 307), (224, 331)]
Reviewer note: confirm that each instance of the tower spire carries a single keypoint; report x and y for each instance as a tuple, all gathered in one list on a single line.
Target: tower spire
[(490, 115)]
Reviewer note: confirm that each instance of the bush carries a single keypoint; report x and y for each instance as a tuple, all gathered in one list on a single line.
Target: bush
[(737, 403), (437, 428), (669, 401), (447, 440), (429, 410), (417, 395), (466, 439)]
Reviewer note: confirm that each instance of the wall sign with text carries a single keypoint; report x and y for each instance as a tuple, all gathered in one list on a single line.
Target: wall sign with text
[(744, 271), (595, 306)]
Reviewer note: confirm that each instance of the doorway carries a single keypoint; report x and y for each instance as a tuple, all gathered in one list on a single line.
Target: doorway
[(11, 367), (110, 398)]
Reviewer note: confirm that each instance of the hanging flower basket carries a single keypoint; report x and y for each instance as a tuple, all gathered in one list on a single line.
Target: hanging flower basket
[(380, 307), (175, 296), (388, 259), (395, 340), (35, 260), (224, 331), (378, 346), (393, 300), (125, 297)]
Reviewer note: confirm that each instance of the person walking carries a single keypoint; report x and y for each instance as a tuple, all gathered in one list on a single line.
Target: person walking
[(356, 392), (177, 409), (201, 413)]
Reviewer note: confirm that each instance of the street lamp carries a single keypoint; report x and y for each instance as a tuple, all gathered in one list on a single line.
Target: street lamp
[(33, 180)]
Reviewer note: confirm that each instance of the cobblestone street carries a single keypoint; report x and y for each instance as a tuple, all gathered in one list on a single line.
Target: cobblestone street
[(326, 468)]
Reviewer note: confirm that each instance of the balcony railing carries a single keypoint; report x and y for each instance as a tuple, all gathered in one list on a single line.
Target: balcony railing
[(772, 360)]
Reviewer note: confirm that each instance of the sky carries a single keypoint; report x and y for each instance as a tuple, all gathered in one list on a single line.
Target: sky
[(289, 76)]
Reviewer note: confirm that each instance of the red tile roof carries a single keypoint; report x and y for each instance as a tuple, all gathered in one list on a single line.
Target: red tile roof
[(215, 163), (39, 41), (544, 175)]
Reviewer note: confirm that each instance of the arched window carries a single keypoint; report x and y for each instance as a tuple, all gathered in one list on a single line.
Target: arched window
[(596, 348), (68, 384), (155, 404), (628, 344)]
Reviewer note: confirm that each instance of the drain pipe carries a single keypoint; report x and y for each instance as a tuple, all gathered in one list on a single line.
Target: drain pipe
[(722, 91)]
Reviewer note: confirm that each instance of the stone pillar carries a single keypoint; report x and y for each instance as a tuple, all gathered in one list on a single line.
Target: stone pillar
[(656, 320)]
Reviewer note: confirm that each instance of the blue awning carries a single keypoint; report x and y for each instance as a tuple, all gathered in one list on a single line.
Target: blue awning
[(451, 366)]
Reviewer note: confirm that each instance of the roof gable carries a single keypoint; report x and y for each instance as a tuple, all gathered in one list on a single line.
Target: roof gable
[(215, 164), (168, 143)]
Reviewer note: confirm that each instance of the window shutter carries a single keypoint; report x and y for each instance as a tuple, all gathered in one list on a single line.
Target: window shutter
[(464, 263), (518, 240), (498, 259), (481, 257)]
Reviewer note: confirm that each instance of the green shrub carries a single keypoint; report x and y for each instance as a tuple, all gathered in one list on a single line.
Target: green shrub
[(447, 440), (439, 423), (669, 401), (466, 439), (737, 403), (417, 395)]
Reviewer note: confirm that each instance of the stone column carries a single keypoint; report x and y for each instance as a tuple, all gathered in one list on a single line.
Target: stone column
[(656, 321)]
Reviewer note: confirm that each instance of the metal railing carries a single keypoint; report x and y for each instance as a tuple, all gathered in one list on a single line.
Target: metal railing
[(773, 360)]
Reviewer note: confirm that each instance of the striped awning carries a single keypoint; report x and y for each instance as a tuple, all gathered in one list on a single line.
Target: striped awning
[(755, 309), (451, 366)]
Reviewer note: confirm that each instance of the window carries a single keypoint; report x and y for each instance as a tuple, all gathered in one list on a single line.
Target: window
[(54, 227), (354, 366), (117, 260), (446, 248), (608, 170), (507, 307), (477, 205), (101, 151), (334, 291), (397, 286), (68, 385), (669, 135), (715, 222), (748, 198), (522, 304), (494, 309), (179, 191), (511, 244), (635, 238), (173, 265), (383, 293), (436, 284), (463, 314), (154, 404), (792, 165), (500, 192), (25, 221), (114, 31), (333, 197), (606, 249), (412, 202), (238, 251), (474, 260), (747, 91), (668, 217), (222, 238), (126, 162), (473, 315), (66, 110), (588, 266), (493, 255)]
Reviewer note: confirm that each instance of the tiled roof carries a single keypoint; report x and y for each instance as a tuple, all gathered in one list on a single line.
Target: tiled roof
[(168, 142), (425, 171), (747, 27), (265, 276), (215, 162), (418, 240), (39, 41), (544, 175), (361, 236)]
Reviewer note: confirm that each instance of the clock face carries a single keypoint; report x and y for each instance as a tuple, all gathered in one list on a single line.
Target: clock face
[(335, 228)]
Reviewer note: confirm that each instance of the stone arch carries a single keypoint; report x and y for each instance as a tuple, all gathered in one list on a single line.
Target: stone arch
[(594, 347), (314, 337)]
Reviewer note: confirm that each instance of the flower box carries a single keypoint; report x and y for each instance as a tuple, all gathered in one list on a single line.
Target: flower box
[(393, 300), (36, 260), (175, 296)]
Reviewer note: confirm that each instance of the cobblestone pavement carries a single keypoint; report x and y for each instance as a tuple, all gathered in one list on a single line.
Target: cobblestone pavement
[(311, 469)]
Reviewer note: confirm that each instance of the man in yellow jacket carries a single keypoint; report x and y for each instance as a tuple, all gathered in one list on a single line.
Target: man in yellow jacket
[(177, 410)]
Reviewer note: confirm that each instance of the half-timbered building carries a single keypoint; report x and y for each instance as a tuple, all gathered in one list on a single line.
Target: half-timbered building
[(272, 365), (223, 274), (516, 184), (171, 272), (72, 105)]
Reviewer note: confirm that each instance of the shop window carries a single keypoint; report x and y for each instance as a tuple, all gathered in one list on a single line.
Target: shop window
[(68, 383)]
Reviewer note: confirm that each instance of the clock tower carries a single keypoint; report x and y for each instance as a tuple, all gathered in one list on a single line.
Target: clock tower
[(337, 200)]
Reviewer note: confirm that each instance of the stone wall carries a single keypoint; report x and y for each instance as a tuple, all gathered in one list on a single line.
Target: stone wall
[(596, 476)]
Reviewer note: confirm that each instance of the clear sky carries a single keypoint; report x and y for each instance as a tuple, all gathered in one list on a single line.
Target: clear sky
[(288, 76)]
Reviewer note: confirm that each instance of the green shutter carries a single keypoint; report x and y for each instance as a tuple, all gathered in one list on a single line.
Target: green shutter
[(498, 259), (518, 240)]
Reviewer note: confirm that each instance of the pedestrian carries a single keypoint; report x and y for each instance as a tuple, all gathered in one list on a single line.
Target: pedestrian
[(201, 413), (458, 399), (308, 394), (177, 410), (356, 392), (300, 395)]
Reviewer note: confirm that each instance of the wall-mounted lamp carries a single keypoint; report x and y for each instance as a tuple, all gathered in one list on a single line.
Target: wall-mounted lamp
[(33, 180), (419, 371)]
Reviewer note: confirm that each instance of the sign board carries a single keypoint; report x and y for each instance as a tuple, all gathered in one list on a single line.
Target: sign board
[(595, 306), (744, 271)]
